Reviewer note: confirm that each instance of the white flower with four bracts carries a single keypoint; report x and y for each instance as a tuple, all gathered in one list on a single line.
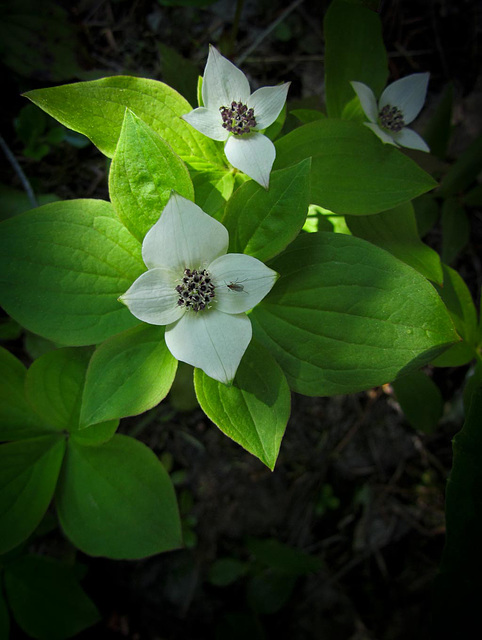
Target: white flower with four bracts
[(233, 114), (399, 105), (197, 290)]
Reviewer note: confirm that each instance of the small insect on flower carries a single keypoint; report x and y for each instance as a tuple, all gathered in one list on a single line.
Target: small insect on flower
[(236, 286)]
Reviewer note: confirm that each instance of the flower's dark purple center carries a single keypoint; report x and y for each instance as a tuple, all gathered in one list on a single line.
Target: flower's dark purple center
[(237, 118), (391, 118), (196, 290)]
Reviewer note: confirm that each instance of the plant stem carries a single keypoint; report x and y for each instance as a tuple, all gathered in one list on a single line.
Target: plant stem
[(19, 171)]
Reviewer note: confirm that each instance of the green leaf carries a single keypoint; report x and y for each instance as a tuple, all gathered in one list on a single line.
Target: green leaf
[(420, 399), (225, 571), (305, 116), (253, 411), (28, 474), (179, 73), (14, 201), (352, 171), (439, 129), (62, 268), (39, 40), (464, 171), (128, 374), (263, 222), (283, 558), (458, 300), (17, 420), (143, 173), (354, 50), (46, 599), (455, 229), (426, 213), (213, 188), (54, 386), (116, 500), (345, 316), (457, 599), (396, 232), (97, 109)]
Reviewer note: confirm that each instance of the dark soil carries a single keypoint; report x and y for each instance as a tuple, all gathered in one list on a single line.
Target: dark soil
[(354, 485)]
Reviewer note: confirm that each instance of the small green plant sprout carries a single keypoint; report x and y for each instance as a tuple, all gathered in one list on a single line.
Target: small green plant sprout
[(399, 104), (185, 253), (233, 115)]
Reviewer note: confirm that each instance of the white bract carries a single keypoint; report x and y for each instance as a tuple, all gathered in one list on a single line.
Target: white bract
[(197, 290), (399, 105), (233, 114)]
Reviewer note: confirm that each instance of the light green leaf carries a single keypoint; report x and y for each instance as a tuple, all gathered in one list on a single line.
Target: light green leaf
[(46, 599), (420, 399), (97, 109), (62, 268), (354, 50), (116, 500), (263, 222), (143, 173), (396, 232), (255, 409), (352, 171), (128, 374), (345, 316), (54, 386), (28, 474), (17, 420)]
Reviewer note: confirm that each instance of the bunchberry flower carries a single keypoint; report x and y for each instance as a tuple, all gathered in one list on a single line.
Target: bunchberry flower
[(399, 105), (197, 290), (233, 114)]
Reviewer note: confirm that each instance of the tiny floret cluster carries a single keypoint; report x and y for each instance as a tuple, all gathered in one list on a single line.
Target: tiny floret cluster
[(399, 104), (191, 287), (237, 118), (196, 290), (232, 114)]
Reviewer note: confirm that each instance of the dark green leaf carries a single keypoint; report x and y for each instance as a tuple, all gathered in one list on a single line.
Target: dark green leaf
[(352, 171), (17, 420), (346, 315), (396, 232), (128, 374), (455, 229), (54, 386), (354, 50), (46, 599), (457, 602), (263, 222), (439, 129), (116, 500), (28, 475), (464, 171), (420, 399)]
